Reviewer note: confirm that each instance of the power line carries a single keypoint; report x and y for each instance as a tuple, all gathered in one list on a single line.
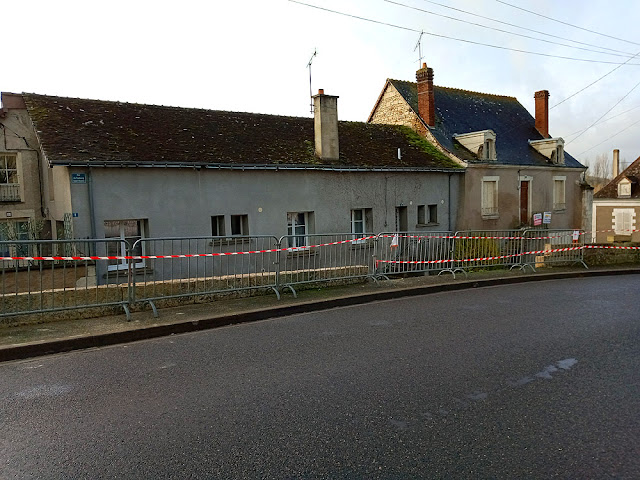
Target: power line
[(605, 113), (610, 138), (409, 29), (566, 23), (504, 31), (594, 82), (607, 119), (523, 28)]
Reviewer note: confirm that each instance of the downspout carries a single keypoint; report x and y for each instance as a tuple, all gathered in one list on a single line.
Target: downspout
[(449, 202), (92, 213)]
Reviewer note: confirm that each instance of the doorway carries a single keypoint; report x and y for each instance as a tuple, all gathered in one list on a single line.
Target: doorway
[(524, 202)]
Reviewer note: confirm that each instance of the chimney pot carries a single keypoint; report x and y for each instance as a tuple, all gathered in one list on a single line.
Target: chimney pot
[(321, 91), (542, 112), (616, 163)]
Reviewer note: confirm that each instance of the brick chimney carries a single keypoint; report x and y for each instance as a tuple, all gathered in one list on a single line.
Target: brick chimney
[(616, 163), (325, 125), (426, 102), (542, 112)]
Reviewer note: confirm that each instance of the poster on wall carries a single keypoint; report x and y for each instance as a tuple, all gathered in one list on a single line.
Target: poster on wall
[(546, 219), (537, 219)]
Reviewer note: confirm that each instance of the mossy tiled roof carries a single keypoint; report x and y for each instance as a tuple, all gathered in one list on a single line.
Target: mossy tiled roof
[(462, 111), (94, 132)]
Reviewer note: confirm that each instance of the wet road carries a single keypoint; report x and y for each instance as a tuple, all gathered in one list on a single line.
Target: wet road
[(521, 381)]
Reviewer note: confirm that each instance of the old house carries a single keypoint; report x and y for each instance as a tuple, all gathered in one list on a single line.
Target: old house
[(616, 206), (514, 168), (121, 170)]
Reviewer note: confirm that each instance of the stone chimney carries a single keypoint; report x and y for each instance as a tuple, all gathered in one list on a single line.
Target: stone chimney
[(542, 112), (616, 163), (426, 101), (325, 125)]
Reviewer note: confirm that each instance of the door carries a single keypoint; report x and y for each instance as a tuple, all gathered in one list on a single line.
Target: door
[(524, 202), (402, 222)]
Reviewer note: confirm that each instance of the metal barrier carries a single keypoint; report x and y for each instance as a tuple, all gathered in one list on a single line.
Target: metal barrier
[(488, 248), (51, 275), (194, 266), (39, 276), (321, 258), (546, 247), (402, 252)]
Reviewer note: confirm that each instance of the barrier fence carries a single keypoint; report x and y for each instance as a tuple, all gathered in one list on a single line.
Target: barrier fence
[(50, 275)]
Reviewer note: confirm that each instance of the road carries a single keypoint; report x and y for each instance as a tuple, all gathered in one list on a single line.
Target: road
[(517, 381)]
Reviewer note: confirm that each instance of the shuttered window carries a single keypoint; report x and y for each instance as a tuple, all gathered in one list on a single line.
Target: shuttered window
[(624, 221), (490, 196)]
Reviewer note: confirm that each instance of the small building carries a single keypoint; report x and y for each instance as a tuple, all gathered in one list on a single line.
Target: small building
[(514, 168), (616, 206), (98, 169)]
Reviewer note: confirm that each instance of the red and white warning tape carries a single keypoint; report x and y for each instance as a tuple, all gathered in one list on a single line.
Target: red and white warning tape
[(186, 255)]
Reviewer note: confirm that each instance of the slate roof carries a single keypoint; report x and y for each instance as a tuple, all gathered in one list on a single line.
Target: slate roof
[(75, 131), (461, 111), (632, 172)]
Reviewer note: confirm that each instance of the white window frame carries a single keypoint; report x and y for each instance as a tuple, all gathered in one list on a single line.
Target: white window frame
[(494, 211), (365, 212), (623, 221), (9, 190), (292, 225), (624, 188), (559, 204), (122, 250)]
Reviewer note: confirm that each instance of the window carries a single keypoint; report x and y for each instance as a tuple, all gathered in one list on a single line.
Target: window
[(559, 193), (239, 224), (490, 196), (433, 213), (624, 221), (298, 227), (361, 222), (14, 231), (217, 226), (624, 188), (427, 215), (9, 187), (128, 232)]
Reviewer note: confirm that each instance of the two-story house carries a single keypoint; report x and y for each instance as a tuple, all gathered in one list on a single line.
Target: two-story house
[(514, 168)]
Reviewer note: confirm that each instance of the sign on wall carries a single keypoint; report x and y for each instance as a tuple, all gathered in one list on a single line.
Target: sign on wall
[(78, 178), (546, 219), (537, 219)]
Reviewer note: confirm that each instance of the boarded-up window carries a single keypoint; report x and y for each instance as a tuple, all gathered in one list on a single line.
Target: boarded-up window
[(490, 196), (624, 221), (559, 193)]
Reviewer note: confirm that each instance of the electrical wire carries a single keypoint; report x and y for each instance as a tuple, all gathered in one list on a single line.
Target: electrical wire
[(610, 138), (409, 29), (506, 31), (605, 113), (607, 119), (523, 28), (566, 23)]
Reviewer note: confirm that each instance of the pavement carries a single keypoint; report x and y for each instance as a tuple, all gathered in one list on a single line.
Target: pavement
[(48, 337)]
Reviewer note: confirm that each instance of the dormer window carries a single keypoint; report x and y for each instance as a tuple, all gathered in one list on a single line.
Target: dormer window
[(482, 144), (624, 188), (552, 148)]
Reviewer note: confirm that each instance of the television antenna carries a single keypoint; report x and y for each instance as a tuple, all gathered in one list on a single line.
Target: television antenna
[(315, 52), (419, 48)]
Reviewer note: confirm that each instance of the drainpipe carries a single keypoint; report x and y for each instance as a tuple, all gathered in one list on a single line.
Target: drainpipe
[(449, 202), (92, 213)]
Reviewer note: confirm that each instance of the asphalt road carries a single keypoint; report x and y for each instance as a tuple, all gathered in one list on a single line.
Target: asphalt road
[(522, 381)]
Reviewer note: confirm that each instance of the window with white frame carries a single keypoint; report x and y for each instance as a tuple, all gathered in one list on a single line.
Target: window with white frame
[(9, 186), (559, 184), (489, 203), (14, 231), (124, 234), (624, 188), (623, 221), (361, 222), (298, 227)]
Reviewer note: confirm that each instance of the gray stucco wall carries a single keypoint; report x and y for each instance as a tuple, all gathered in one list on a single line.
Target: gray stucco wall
[(180, 202)]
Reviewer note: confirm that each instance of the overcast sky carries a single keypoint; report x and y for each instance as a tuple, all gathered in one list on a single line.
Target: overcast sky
[(251, 55)]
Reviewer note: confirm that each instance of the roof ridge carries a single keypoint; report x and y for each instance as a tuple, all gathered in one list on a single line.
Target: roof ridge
[(168, 107), (457, 89)]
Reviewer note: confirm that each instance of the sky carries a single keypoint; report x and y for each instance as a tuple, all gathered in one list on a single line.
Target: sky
[(252, 56)]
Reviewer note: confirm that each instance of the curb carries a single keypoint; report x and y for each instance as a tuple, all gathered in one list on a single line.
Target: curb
[(35, 349)]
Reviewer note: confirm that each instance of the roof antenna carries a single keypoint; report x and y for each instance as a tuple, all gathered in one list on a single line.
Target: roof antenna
[(419, 48), (315, 52)]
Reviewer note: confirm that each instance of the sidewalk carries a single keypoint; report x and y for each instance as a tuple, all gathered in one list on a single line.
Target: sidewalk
[(61, 336)]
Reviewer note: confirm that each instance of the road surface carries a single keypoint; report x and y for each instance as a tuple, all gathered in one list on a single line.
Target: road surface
[(518, 381)]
